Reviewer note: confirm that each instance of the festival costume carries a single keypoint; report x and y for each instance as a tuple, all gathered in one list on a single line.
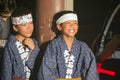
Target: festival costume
[(60, 64), (13, 62)]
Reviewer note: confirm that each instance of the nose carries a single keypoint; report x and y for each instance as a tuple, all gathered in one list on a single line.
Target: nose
[(72, 25)]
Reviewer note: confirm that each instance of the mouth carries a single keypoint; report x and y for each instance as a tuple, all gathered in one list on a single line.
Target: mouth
[(29, 32), (72, 30)]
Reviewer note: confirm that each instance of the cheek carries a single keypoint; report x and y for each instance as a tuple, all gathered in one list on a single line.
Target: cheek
[(32, 27), (23, 29), (77, 28)]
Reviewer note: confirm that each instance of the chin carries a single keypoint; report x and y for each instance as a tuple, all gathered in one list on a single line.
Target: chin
[(28, 36)]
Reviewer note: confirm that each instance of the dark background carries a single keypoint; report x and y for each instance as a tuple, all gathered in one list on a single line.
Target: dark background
[(91, 13)]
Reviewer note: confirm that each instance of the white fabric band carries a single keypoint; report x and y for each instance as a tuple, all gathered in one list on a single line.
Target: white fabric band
[(66, 17), (22, 19)]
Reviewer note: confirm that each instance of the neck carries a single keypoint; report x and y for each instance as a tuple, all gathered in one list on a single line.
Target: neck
[(5, 19), (69, 42), (20, 38)]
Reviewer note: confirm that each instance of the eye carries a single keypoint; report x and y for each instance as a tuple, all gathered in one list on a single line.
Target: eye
[(23, 24), (75, 22)]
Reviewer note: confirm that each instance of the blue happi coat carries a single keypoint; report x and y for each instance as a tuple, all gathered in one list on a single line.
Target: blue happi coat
[(54, 64), (12, 62)]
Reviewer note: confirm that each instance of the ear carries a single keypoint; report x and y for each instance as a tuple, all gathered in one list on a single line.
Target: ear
[(59, 27), (15, 28)]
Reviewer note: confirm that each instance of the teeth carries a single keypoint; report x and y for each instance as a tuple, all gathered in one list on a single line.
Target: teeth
[(71, 30)]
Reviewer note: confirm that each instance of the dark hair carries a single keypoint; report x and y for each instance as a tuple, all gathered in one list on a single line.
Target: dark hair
[(7, 6), (20, 11)]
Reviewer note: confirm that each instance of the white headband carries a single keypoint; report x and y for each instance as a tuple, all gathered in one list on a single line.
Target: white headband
[(22, 19), (66, 17)]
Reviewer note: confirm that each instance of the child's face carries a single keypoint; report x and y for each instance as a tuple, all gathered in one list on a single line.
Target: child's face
[(68, 28), (24, 30)]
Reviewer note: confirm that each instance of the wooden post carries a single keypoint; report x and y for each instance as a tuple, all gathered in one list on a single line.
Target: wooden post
[(45, 12)]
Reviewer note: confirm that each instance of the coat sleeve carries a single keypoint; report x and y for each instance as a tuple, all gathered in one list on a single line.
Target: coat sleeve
[(7, 64), (31, 60), (48, 68), (91, 69)]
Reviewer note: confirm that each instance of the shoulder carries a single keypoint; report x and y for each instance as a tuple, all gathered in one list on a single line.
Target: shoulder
[(85, 49), (55, 41), (11, 41), (82, 44)]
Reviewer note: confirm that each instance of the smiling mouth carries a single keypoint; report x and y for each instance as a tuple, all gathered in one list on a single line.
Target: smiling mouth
[(72, 31)]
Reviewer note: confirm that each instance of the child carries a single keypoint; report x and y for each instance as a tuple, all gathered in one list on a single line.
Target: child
[(20, 50), (66, 58), (6, 8)]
